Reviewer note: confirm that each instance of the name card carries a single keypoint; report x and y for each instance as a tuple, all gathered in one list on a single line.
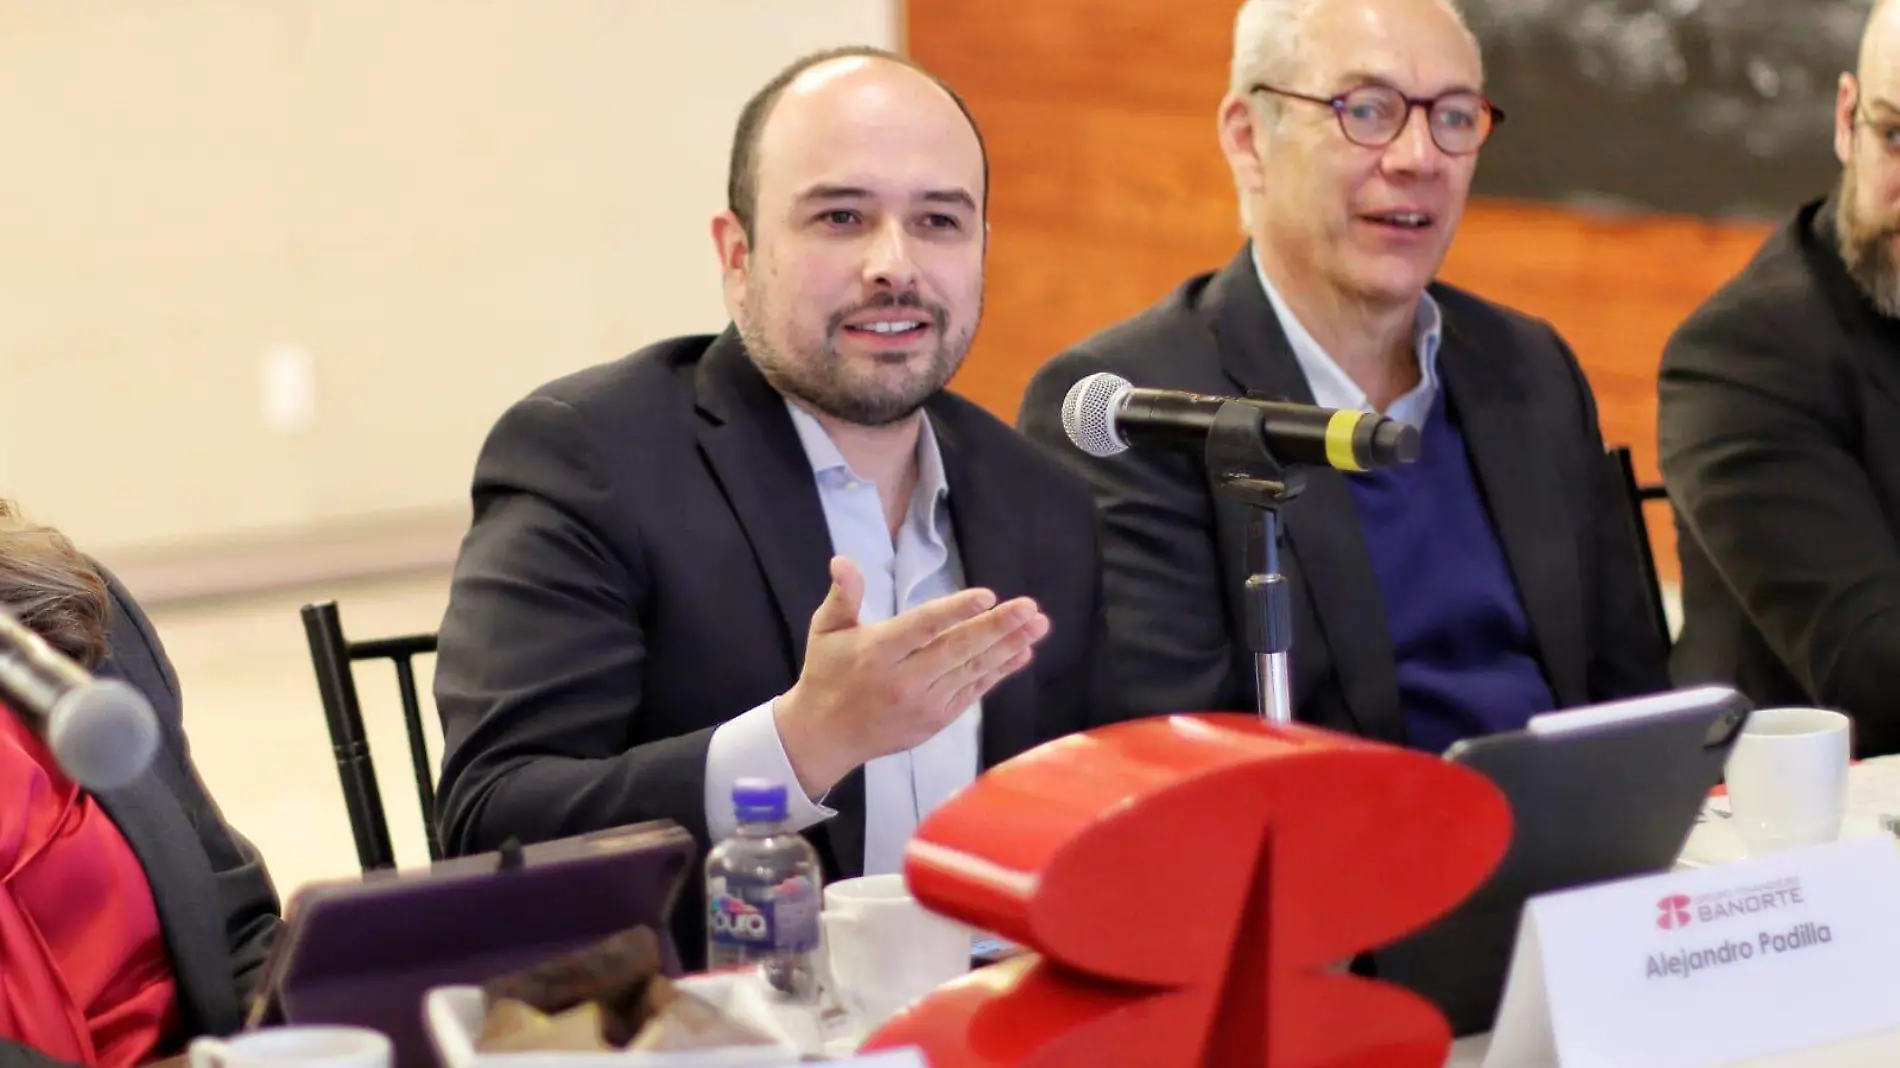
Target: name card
[(1707, 967)]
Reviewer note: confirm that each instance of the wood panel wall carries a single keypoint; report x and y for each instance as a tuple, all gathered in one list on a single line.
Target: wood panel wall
[(1109, 189)]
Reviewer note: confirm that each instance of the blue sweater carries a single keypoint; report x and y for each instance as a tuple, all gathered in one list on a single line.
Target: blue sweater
[(1466, 661)]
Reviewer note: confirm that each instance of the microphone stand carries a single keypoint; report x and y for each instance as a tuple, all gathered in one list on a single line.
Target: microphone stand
[(1245, 469)]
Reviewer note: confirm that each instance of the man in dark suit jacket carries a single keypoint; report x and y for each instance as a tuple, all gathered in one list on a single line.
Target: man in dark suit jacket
[(1493, 579), (640, 612), (1779, 426)]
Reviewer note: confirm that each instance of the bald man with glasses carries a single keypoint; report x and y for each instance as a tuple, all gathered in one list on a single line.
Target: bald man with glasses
[(1495, 577)]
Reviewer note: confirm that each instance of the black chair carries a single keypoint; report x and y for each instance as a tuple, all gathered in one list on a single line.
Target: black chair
[(1637, 494), (335, 658)]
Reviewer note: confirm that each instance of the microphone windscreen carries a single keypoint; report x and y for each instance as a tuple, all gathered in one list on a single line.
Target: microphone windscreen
[(1393, 442), (1088, 413), (103, 734)]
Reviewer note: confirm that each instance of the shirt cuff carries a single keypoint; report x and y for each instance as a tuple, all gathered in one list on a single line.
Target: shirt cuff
[(749, 747)]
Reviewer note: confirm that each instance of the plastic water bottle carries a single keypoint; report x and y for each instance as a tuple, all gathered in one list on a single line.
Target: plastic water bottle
[(763, 895)]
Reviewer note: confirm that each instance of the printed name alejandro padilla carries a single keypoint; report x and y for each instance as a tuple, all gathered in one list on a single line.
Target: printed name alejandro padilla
[(1678, 912), (1685, 963)]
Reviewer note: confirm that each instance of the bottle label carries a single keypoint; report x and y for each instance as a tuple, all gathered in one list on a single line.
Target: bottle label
[(763, 918)]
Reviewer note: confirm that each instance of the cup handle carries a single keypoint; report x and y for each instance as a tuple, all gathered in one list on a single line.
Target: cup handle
[(207, 1052)]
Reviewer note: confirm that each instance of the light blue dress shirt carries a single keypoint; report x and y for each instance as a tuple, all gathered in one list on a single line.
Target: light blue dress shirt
[(1333, 388), (921, 564)]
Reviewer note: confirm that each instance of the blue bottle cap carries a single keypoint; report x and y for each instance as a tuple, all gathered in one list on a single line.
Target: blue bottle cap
[(758, 800)]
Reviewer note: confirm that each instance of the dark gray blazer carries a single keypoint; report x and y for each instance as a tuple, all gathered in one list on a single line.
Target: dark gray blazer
[(216, 905), (647, 551), (1779, 430), (1175, 550)]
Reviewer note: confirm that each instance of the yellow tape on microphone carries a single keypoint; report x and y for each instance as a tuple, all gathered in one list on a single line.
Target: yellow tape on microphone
[(1339, 434)]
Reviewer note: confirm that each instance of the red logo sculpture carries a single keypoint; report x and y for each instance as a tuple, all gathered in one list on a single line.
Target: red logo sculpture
[(1192, 887)]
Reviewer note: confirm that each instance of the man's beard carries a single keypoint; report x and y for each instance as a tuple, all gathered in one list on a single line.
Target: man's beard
[(1866, 248), (826, 380)]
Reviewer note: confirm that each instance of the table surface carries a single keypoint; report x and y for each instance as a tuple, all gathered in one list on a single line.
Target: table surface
[(1876, 1051), (1873, 788)]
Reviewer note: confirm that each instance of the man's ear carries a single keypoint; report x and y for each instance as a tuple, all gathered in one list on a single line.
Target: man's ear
[(1239, 125), (734, 247), (735, 261), (1846, 102)]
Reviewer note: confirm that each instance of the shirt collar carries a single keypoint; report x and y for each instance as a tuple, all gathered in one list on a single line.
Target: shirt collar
[(1332, 387), (828, 465)]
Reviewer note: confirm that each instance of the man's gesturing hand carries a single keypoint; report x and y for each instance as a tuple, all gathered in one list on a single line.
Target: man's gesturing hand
[(869, 690)]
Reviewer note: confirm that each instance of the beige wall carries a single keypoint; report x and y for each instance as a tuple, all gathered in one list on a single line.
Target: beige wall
[(417, 208)]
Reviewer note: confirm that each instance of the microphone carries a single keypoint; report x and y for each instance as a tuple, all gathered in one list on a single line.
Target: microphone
[(1103, 415), (101, 731)]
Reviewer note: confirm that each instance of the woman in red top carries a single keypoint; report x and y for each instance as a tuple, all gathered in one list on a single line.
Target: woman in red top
[(131, 920)]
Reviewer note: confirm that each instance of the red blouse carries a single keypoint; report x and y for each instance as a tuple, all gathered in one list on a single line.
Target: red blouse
[(84, 973)]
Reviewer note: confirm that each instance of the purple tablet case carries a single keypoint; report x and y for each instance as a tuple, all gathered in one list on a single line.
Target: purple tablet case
[(365, 952)]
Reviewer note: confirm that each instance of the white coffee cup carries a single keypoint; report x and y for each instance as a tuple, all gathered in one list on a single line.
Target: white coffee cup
[(294, 1047), (1787, 778), (883, 950)]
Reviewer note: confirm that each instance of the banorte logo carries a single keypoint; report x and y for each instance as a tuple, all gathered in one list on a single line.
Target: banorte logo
[(1673, 912)]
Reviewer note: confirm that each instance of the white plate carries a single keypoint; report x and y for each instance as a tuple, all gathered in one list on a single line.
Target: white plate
[(454, 1015)]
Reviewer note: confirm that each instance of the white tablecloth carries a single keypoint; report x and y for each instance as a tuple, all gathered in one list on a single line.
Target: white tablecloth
[(1878, 1051)]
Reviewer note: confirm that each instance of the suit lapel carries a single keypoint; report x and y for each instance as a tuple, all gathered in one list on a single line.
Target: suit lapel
[(1327, 550), (1518, 478), (992, 553), (754, 452), (185, 892)]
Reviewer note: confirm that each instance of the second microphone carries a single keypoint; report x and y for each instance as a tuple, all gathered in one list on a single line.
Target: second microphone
[(1103, 414)]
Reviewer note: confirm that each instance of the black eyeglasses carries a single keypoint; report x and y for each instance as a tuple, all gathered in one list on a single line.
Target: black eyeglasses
[(1372, 115)]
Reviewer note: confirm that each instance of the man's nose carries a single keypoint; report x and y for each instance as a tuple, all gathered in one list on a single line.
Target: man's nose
[(889, 262), (1413, 151)]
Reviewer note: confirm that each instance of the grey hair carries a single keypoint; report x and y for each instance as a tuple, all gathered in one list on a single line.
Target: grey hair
[(1270, 46), (1269, 36)]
